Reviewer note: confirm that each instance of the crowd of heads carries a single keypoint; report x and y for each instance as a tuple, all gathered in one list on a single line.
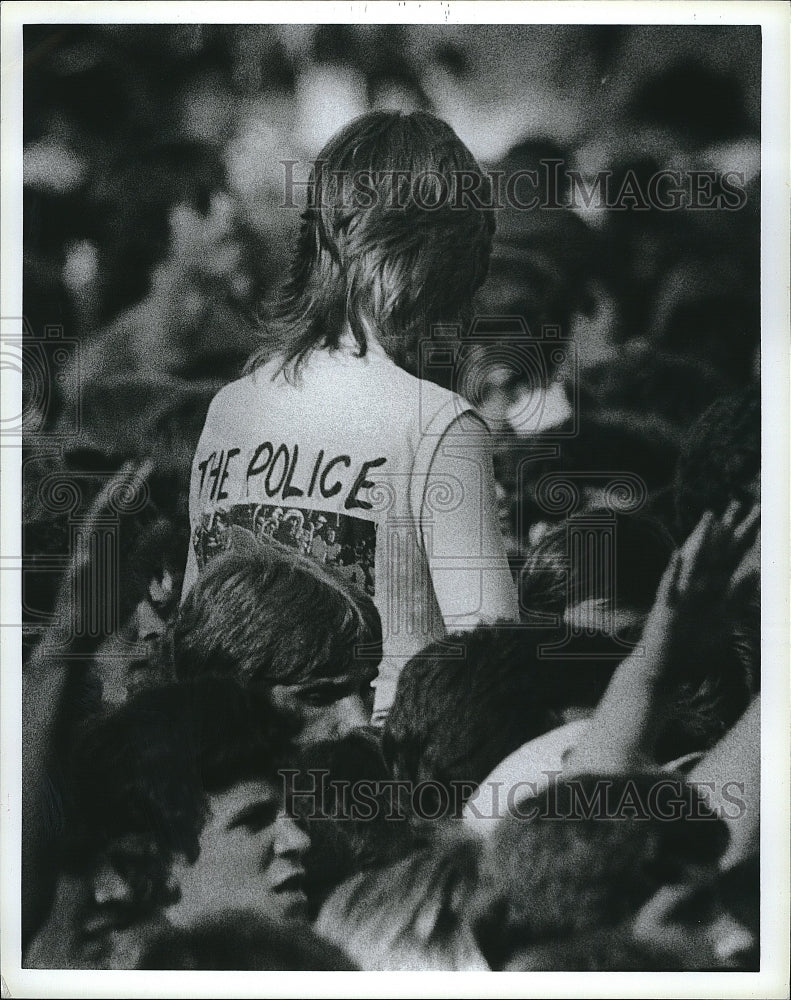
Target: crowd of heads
[(217, 797), (237, 787)]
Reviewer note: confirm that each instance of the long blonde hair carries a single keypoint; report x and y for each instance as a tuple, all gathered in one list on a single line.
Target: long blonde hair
[(396, 238)]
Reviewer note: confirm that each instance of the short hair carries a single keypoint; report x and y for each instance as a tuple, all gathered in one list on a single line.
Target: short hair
[(540, 259), (149, 767), (353, 815), (408, 252), (629, 442), (642, 549), (243, 941), (559, 868), (413, 914), (650, 391), (274, 617), (455, 717), (720, 458)]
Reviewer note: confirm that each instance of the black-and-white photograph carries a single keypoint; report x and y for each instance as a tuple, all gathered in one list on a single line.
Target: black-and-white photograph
[(387, 587)]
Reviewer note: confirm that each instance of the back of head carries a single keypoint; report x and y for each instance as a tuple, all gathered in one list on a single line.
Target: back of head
[(396, 237), (551, 579), (411, 915), (586, 854), (273, 617), (242, 941), (610, 949), (342, 789), (464, 704), (541, 257), (721, 458)]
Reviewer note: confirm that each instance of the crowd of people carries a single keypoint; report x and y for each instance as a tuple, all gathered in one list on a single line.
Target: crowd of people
[(250, 740)]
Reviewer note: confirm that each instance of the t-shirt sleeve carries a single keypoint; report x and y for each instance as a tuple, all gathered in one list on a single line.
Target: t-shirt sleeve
[(433, 433), (454, 503)]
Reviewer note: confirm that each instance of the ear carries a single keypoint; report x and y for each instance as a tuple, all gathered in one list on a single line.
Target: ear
[(134, 874)]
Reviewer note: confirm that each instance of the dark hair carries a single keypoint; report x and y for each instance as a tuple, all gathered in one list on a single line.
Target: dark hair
[(348, 833), (541, 260), (384, 260), (548, 578), (609, 949), (720, 459), (717, 684), (148, 767), (274, 617), (411, 914), (455, 717), (241, 940), (567, 870)]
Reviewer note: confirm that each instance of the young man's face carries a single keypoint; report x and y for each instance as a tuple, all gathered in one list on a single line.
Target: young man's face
[(329, 708), (251, 857)]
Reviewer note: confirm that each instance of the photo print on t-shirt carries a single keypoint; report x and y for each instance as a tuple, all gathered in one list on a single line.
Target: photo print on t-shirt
[(344, 543)]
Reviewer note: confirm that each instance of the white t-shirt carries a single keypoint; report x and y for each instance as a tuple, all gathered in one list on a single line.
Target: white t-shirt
[(347, 448)]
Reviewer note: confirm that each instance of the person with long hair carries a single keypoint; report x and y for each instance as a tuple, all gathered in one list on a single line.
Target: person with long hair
[(333, 415)]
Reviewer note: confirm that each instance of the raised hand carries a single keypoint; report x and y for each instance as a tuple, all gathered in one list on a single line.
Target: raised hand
[(701, 579), (688, 611)]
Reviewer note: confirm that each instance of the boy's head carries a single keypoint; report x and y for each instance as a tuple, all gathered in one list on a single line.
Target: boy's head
[(181, 804), (590, 853), (353, 815), (464, 704), (281, 623), (395, 238), (541, 259), (413, 914), (720, 460), (239, 940), (555, 576), (136, 654)]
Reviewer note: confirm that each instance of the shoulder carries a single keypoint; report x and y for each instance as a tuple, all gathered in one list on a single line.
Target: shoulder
[(434, 407), (239, 393)]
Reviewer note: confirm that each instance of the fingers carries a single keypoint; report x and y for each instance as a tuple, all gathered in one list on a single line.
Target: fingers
[(667, 591), (744, 534), (736, 531), (715, 552), (731, 516), (693, 553), (659, 623), (734, 537), (748, 573)]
